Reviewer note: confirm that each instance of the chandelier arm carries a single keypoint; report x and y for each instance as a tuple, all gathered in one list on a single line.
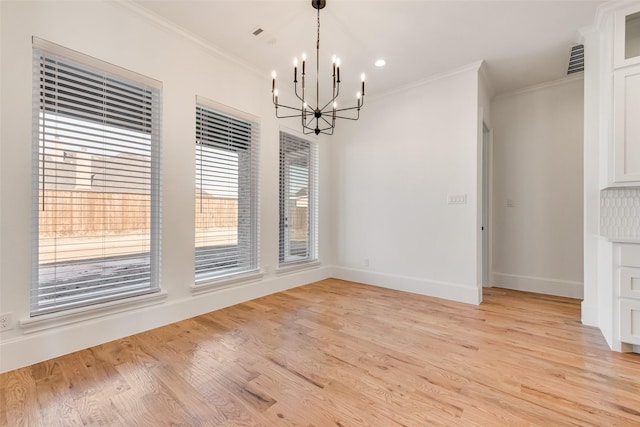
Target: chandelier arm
[(335, 96), (295, 87), (322, 131), (287, 117), (326, 121), (325, 129), (308, 123), (347, 109), (349, 118), (300, 110), (313, 130)]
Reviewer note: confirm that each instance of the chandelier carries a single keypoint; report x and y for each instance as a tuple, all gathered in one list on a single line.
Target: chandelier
[(322, 118)]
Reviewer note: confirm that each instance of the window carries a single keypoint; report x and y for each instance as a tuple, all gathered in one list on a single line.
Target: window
[(226, 192), (96, 181), (298, 199)]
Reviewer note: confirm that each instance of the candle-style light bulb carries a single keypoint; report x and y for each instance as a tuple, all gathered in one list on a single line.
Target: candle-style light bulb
[(359, 98)]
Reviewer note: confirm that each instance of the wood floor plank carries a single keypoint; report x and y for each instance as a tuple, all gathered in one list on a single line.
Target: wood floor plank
[(338, 353)]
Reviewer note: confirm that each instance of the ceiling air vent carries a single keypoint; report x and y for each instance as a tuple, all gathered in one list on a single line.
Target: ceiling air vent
[(576, 59), (257, 31)]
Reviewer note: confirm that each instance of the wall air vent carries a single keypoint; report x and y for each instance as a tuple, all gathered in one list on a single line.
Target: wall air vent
[(257, 31), (576, 59)]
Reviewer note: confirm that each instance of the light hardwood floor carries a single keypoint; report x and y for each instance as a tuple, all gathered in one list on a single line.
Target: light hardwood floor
[(336, 353)]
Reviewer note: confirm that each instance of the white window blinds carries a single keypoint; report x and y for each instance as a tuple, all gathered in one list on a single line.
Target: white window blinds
[(298, 199), (226, 185), (96, 181)]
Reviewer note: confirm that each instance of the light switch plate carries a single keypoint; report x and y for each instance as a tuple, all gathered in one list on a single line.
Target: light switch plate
[(457, 199)]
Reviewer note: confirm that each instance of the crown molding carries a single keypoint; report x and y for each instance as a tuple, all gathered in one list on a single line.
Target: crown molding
[(606, 8), (184, 33), (474, 66), (552, 83)]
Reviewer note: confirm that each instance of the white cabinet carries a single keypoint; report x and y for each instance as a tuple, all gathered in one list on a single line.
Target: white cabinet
[(612, 159), (626, 50), (626, 125), (627, 276), (625, 146)]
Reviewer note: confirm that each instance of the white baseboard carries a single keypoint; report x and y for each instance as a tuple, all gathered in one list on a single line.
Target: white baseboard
[(451, 291), (540, 285), (35, 347)]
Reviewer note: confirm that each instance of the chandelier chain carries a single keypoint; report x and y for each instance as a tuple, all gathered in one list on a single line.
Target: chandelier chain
[(318, 64)]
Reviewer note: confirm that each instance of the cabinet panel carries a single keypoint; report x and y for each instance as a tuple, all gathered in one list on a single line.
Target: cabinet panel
[(630, 321), (627, 36), (630, 282), (626, 111), (629, 255)]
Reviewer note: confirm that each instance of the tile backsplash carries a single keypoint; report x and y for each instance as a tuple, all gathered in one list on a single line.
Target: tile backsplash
[(620, 213)]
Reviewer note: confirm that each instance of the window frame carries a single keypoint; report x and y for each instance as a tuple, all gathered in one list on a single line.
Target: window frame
[(77, 114), (289, 141), (248, 191)]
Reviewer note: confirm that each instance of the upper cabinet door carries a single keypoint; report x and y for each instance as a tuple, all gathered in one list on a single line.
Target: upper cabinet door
[(626, 125), (627, 37)]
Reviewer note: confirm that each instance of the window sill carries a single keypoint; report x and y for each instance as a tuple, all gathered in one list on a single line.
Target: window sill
[(68, 317), (225, 282), (296, 267)]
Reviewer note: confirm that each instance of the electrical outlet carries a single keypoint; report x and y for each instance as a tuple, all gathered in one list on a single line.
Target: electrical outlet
[(5, 322)]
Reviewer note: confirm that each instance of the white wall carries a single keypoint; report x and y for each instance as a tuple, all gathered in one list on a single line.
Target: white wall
[(538, 164), (393, 171), (114, 33)]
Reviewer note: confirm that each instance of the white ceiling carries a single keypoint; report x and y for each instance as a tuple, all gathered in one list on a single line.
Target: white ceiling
[(523, 42)]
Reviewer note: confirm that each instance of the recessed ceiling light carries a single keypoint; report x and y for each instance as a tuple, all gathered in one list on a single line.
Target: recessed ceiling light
[(381, 63)]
